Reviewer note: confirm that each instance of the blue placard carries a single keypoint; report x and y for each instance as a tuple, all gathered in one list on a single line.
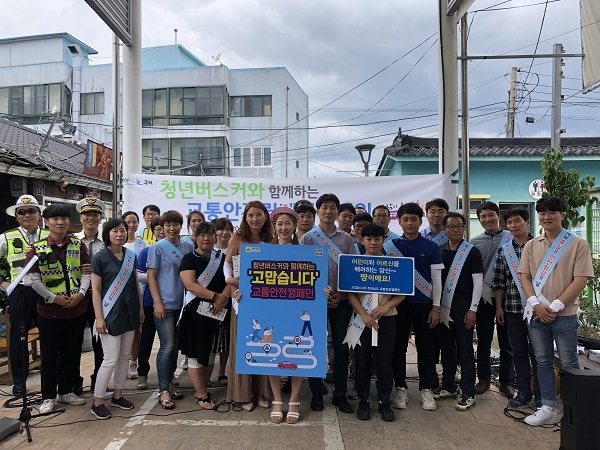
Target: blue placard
[(381, 274), (282, 316)]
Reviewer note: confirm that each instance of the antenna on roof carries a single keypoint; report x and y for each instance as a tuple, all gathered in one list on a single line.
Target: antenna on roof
[(175, 30), (217, 58)]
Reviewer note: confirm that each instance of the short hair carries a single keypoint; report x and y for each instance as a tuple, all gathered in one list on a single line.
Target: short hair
[(328, 198), (154, 223), (453, 214), (487, 205), (300, 203), (154, 208), (205, 228), (362, 217), (223, 223), (372, 230), (381, 207), (304, 208), (171, 216), (410, 208), (439, 202), (56, 210), (549, 203), (108, 226), (130, 213), (346, 206), (191, 213), (517, 212)]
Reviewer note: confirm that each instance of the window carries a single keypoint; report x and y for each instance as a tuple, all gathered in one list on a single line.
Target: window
[(474, 201), (92, 103), (4, 100), (251, 156), (251, 106), (33, 104), (189, 156)]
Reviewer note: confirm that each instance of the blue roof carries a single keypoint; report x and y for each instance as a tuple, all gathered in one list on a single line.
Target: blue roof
[(86, 48), (174, 56)]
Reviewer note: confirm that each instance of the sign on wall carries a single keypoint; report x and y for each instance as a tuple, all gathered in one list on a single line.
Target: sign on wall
[(98, 161), (282, 315)]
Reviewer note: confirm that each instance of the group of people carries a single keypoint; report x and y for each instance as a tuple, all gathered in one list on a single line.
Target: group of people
[(129, 283)]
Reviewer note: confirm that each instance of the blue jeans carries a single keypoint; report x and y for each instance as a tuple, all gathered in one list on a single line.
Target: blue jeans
[(166, 358), (563, 331)]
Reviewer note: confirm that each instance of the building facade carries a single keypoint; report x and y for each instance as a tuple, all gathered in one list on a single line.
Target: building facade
[(196, 119)]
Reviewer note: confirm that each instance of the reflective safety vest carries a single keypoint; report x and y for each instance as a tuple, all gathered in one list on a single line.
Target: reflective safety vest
[(148, 236), (54, 276), (16, 247)]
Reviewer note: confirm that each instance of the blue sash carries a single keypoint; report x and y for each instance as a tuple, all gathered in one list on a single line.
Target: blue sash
[(138, 245), (420, 282), (440, 238), (334, 251), (357, 248), (174, 253), (512, 261), (487, 292), (206, 276), (452, 279), (189, 239), (118, 284)]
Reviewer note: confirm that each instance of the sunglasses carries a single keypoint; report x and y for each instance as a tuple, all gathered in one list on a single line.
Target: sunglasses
[(23, 212)]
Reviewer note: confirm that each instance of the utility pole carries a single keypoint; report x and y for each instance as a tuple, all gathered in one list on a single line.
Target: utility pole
[(116, 160), (557, 64), (512, 101), (464, 110)]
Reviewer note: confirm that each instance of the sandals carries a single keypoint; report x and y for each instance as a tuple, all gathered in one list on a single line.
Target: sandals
[(248, 406), (276, 416), (262, 402), (166, 403), (292, 417), (205, 399), (176, 395)]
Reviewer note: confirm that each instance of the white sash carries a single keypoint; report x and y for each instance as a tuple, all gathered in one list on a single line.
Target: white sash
[(558, 247), (356, 326), (452, 279), (334, 251), (420, 282), (486, 292), (204, 278)]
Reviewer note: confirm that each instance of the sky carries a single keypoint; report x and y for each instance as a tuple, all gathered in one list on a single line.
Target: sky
[(369, 68)]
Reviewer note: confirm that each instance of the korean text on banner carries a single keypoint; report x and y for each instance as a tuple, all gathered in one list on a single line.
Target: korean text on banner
[(381, 274)]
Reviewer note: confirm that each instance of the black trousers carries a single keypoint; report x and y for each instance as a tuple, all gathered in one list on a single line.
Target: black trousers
[(90, 318), (385, 356), (60, 343), (486, 317), (457, 348), (22, 309), (523, 355), (414, 316), (146, 341)]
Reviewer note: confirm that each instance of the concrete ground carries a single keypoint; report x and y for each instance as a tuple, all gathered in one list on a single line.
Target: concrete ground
[(148, 426)]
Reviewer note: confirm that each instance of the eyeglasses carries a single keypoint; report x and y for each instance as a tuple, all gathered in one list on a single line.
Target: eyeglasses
[(23, 212), (380, 216), (454, 227)]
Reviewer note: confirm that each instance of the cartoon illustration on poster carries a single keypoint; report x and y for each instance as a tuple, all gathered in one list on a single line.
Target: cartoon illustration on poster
[(283, 310)]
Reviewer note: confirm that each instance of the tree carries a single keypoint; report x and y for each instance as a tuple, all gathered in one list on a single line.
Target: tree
[(567, 185)]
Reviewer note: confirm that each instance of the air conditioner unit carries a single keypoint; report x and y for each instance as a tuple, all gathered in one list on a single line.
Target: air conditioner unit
[(18, 186)]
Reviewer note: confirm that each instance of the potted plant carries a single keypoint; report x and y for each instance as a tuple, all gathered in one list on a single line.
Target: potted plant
[(589, 331)]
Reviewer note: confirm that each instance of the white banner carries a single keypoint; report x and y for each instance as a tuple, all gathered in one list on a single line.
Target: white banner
[(590, 43), (226, 197)]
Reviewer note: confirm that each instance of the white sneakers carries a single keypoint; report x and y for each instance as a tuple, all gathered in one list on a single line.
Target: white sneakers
[(427, 401), (546, 415), (400, 399), (47, 406), (70, 399)]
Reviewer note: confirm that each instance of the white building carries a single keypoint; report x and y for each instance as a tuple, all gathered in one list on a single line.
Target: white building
[(197, 119)]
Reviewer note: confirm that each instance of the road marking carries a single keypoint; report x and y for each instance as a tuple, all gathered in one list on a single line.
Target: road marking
[(136, 419), (332, 435), (223, 423)]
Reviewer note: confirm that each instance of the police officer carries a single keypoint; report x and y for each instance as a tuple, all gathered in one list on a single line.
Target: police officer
[(22, 301)]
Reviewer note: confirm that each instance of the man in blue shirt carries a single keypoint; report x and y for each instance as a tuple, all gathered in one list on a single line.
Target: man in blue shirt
[(419, 312)]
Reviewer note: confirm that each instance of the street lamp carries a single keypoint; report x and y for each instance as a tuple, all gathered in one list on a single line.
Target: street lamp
[(365, 149)]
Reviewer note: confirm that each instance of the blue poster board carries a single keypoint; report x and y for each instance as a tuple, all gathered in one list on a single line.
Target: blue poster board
[(383, 274), (282, 316)]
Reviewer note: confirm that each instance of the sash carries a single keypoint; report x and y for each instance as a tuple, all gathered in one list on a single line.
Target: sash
[(420, 282), (118, 284), (138, 245), (189, 239), (356, 248), (558, 247), (356, 326), (174, 253), (334, 251), (440, 238), (512, 261), (486, 292), (452, 279), (204, 278)]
